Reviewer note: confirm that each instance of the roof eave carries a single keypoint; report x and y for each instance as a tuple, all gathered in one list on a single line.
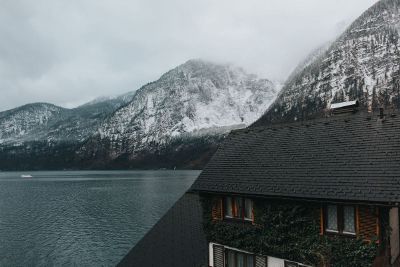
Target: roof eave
[(304, 199)]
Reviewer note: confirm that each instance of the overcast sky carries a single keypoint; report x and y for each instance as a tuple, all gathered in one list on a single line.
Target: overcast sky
[(68, 52)]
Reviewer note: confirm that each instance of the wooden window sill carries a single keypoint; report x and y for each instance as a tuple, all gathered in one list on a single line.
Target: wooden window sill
[(237, 220), (343, 234)]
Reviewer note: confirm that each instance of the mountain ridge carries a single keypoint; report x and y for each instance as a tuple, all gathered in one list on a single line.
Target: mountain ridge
[(177, 120), (362, 64), (197, 99)]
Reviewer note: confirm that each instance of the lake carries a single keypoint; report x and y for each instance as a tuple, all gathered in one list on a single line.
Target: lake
[(82, 218)]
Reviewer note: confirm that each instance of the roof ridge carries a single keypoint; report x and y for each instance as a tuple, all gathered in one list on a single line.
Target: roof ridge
[(328, 118)]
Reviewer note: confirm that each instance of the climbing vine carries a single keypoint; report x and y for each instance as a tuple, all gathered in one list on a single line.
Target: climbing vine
[(289, 231)]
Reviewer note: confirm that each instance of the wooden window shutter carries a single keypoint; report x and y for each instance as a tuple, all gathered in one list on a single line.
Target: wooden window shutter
[(217, 211), (261, 261), (219, 257), (321, 220), (252, 212), (368, 223), (357, 220)]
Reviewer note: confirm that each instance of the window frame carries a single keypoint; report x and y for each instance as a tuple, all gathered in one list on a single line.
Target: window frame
[(225, 200), (327, 219), (293, 263), (354, 221), (233, 206), (236, 253), (340, 220), (251, 209)]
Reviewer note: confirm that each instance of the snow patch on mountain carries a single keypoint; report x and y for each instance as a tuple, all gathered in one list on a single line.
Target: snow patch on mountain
[(177, 120), (363, 64), (23, 121), (196, 97)]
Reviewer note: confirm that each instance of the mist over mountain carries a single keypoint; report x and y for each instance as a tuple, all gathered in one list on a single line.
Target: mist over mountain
[(363, 64), (179, 119)]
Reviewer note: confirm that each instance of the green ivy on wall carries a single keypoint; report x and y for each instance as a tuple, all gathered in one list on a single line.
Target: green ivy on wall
[(289, 231)]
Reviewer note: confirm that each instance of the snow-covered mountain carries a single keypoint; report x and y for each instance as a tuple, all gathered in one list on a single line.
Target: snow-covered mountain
[(107, 103), (47, 122), (195, 99), (177, 120), (363, 63), (26, 121)]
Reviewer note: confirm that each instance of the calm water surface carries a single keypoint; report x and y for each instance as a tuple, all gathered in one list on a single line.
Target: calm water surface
[(81, 218)]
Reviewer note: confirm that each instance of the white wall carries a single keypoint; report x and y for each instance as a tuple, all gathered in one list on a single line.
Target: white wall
[(210, 255)]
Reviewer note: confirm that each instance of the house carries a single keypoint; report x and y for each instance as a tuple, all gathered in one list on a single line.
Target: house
[(321, 192)]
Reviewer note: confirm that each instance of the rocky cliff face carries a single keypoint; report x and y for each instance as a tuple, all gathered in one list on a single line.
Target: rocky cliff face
[(177, 120), (25, 123), (45, 136), (363, 63), (194, 102), (47, 122)]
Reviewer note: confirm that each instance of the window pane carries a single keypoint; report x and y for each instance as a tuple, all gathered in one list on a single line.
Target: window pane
[(348, 217), (250, 261), (331, 223), (238, 207), (240, 260), (291, 264), (230, 259), (228, 207), (248, 207)]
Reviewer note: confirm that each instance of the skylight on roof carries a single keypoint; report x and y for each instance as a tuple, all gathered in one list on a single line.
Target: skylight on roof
[(344, 104)]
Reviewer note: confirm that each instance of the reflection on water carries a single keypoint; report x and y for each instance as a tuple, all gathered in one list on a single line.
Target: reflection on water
[(81, 218)]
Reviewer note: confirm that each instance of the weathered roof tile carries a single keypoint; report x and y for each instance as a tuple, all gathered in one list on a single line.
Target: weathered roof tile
[(345, 157)]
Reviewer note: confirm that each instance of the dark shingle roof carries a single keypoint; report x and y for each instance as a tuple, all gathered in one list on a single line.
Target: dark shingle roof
[(177, 240), (344, 157)]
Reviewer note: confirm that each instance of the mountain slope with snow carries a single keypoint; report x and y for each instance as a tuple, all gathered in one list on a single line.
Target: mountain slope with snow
[(177, 120), (47, 122), (363, 63), (195, 97), (26, 121), (195, 103)]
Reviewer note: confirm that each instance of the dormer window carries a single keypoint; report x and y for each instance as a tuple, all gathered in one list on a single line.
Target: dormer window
[(238, 208)]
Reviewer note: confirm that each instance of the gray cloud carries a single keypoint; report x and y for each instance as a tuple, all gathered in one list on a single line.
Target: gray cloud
[(68, 52)]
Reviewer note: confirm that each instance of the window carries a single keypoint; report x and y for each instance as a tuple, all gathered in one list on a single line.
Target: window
[(240, 260), (248, 209), (293, 264), (231, 258), (331, 222), (228, 207), (340, 219), (235, 258), (250, 261), (348, 220), (238, 208)]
